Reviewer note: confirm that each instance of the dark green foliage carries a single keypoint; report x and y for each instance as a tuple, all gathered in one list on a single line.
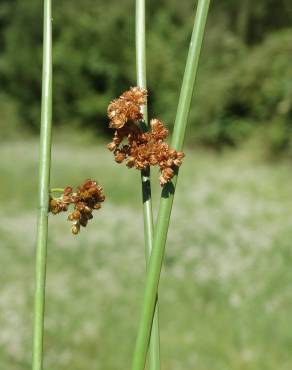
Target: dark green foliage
[(256, 93), (244, 81), (92, 58)]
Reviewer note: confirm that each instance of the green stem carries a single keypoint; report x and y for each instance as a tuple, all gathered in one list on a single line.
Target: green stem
[(154, 348), (43, 199), (166, 201)]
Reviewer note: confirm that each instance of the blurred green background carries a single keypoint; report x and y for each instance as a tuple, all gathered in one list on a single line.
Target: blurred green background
[(225, 296), (244, 88)]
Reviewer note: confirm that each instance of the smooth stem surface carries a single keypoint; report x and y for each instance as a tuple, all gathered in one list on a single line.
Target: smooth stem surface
[(43, 199), (154, 348), (166, 201)]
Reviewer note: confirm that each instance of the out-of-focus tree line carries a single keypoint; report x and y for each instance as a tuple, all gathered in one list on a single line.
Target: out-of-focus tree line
[(244, 87)]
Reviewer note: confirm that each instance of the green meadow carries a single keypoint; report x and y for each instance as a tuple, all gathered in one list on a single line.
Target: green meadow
[(226, 287)]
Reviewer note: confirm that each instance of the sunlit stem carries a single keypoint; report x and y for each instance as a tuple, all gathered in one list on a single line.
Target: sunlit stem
[(43, 198), (166, 200), (154, 347)]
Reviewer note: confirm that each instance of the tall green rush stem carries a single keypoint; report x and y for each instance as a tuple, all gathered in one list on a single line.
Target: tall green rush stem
[(154, 348), (44, 183), (166, 201)]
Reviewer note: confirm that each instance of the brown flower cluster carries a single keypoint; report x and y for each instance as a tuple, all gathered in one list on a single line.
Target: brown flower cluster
[(127, 107), (87, 198), (142, 149)]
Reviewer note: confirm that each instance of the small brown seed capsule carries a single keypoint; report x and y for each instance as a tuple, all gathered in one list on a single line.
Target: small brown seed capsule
[(70, 217), (167, 173), (87, 209), (68, 190), (177, 162), (76, 215), (119, 157), (101, 198), (83, 222), (130, 162), (162, 180), (172, 153), (180, 155), (111, 146), (75, 229)]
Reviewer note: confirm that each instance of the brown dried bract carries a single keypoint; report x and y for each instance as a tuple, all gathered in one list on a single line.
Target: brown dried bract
[(87, 198), (143, 149)]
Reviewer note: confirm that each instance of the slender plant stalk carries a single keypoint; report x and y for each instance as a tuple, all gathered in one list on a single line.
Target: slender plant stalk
[(154, 347), (44, 183), (166, 201)]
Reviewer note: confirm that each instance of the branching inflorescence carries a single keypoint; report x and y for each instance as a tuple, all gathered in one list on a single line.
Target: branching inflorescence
[(143, 148), (88, 197)]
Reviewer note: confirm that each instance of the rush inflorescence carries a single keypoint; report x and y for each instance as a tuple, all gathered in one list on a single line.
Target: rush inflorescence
[(142, 149), (87, 198)]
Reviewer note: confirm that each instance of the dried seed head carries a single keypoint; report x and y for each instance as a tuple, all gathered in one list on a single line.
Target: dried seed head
[(142, 149), (135, 95), (127, 107), (88, 197), (158, 129)]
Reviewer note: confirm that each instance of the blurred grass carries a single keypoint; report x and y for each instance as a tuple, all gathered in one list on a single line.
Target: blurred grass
[(226, 295)]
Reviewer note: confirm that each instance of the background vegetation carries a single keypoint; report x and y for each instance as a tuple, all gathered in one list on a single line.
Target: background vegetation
[(244, 87), (225, 297)]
